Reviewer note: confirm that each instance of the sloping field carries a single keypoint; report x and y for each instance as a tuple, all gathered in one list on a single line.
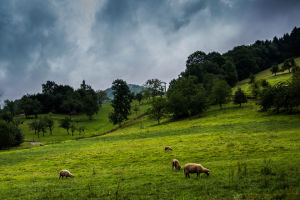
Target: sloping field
[(98, 125), (267, 75), (251, 155)]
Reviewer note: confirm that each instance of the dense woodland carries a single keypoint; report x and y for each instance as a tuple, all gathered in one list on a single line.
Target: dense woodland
[(206, 80)]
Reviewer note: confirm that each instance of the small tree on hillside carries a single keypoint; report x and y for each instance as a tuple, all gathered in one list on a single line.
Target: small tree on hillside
[(139, 97), (101, 96), (49, 123), (34, 126), (43, 125), (252, 78), (220, 92), (81, 129), (73, 128), (10, 106), (30, 106), (240, 97), (155, 87), (255, 89), (121, 102), (288, 64), (158, 109), (274, 69), (66, 124)]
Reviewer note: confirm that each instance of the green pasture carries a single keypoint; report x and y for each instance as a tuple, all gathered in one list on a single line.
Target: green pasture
[(251, 155), (98, 125), (267, 75)]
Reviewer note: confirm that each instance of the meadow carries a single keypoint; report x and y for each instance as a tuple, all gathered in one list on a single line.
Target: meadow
[(251, 155), (98, 125), (267, 75)]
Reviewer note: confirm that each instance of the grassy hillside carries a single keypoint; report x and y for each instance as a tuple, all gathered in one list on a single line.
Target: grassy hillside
[(251, 155), (266, 74), (98, 125)]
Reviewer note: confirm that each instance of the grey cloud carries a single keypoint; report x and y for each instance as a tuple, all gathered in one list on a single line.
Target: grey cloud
[(28, 39)]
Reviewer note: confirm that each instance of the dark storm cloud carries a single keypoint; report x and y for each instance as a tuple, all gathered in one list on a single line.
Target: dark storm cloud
[(28, 39), (101, 40)]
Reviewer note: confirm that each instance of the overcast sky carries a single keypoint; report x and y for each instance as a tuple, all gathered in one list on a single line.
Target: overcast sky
[(99, 41)]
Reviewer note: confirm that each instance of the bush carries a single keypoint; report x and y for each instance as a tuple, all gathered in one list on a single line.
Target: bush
[(10, 135), (240, 97)]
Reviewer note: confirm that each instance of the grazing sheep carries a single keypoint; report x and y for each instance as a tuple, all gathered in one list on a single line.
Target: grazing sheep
[(195, 168), (65, 173), (168, 148), (175, 164)]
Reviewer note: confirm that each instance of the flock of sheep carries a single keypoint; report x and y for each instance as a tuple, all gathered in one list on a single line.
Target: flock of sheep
[(188, 168)]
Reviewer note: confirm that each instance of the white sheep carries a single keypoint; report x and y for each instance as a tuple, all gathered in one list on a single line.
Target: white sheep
[(65, 173), (195, 168), (175, 164)]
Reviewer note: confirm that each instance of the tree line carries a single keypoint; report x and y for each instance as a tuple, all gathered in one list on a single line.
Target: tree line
[(242, 61)]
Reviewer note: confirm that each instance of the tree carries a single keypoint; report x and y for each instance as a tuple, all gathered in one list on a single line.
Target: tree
[(136, 109), (49, 87), (186, 97), (139, 97), (240, 97), (252, 78), (231, 76), (6, 116), (89, 99), (10, 135), (121, 102), (66, 124), (274, 69), (102, 96), (288, 64), (255, 89), (10, 106), (71, 105), (30, 106), (146, 93), (73, 128), (42, 125), (221, 92), (197, 57), (158, 108), (34, 126), (81, 129), (155, 87), (49, 123)]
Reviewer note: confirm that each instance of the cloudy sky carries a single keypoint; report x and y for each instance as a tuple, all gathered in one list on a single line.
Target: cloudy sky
[(101, 40)]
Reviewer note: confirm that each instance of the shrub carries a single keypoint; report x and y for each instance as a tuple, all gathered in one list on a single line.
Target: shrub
[(10, 135)]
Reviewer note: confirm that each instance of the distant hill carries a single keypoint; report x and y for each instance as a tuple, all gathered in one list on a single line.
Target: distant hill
[(133, 88)]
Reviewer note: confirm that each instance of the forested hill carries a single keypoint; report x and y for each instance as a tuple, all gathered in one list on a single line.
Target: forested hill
[(133, 88), (242, 61)]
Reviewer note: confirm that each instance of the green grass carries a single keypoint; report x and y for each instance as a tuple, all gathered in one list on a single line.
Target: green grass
[(235, 143), (267, 75), (98, 125)]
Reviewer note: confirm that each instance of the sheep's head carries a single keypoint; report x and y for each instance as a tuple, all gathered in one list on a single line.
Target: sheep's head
[(207, 172), (179, 167), (72, 176)]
